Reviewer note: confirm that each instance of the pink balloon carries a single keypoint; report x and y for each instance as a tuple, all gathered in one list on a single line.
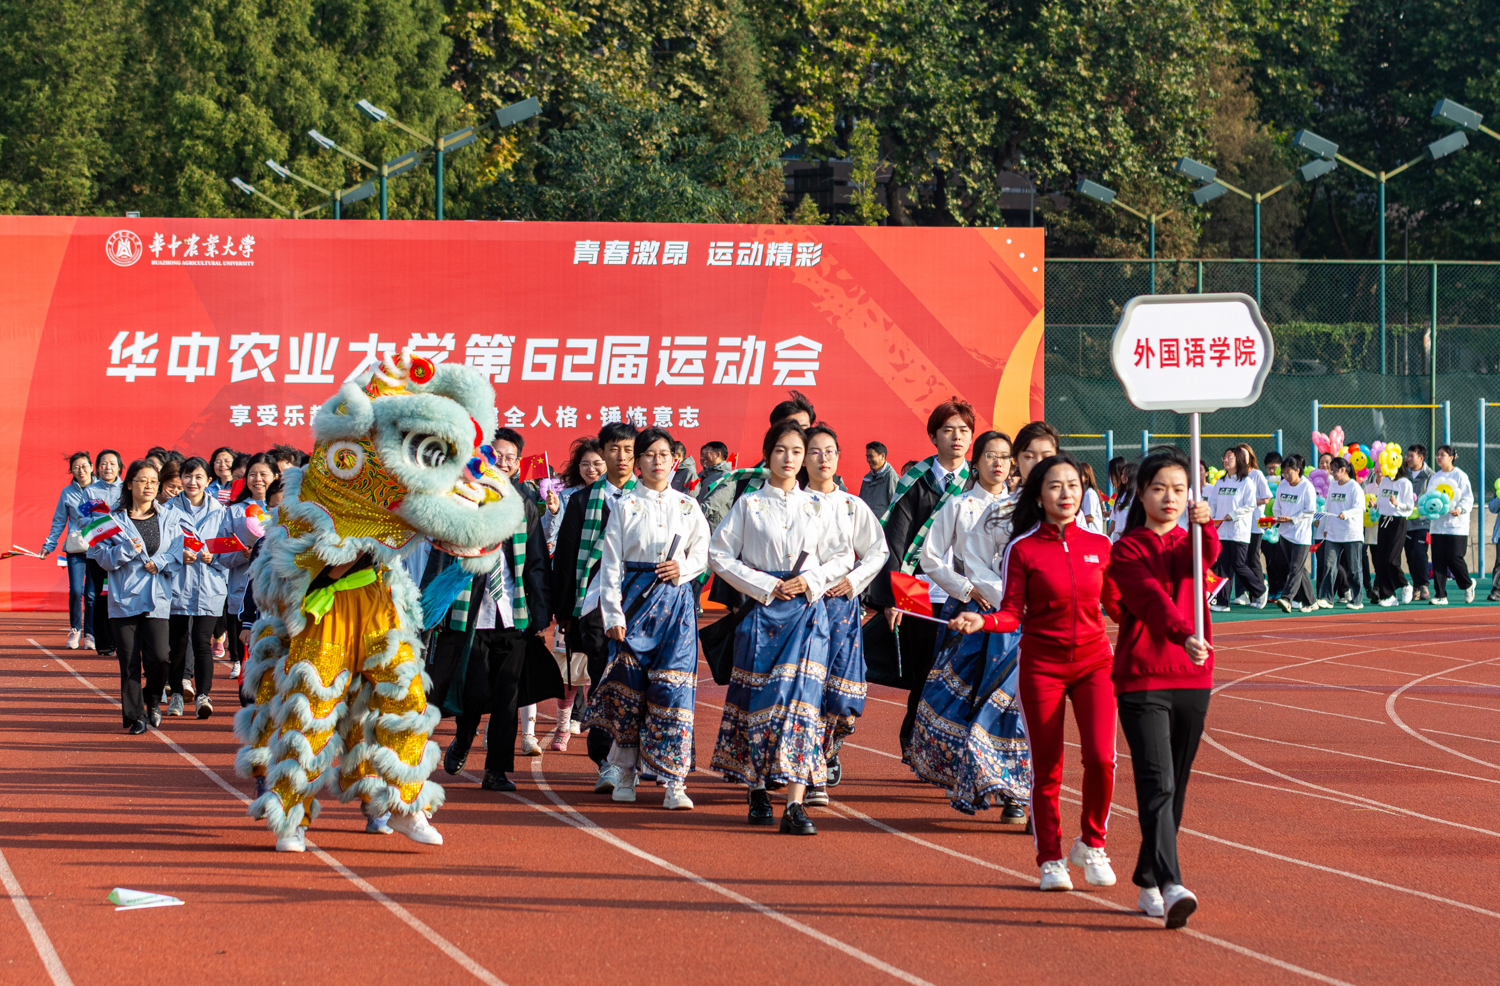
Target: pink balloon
[(1336, 439)]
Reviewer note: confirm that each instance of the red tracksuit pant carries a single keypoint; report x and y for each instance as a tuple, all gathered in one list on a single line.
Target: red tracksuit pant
[(1045, 685)]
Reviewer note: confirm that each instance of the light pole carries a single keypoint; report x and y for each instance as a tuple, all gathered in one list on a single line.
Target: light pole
[(249, 189), (338, 198), (1462, 117), (463, 137), (1106, 196), (363, 191), (1326, 152)]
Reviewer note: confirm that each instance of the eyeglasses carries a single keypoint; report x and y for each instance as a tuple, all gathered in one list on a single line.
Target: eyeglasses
[(822, 454), (656, 456), (993, 457)]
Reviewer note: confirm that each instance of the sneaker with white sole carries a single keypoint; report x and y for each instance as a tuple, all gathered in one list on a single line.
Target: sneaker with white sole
[(1243, 599), (1354, 604), (676, 798), (293, 843), (609, 776), (88, 642), (1406, 592), (575, 727), (816, 797), (416, 828), (530, 747), (1094, 862), (188, 691), (1389, 601), (1286, 605), (1438, 601), (74, 636), (1178, 903), (1261, 602), (174, 708), (234, 669), (625, 786), (379, 825), (1216, 608), (1055, 875), (1469, 593), (204, 705), (1149, 901), (1324, 604)]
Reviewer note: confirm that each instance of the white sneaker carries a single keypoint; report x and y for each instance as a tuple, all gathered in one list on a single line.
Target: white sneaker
[(1243, 599), (1354, 604), (1261, 602), (1438, 601), (88, 640), (1094, 862), (816, 797), (676, 798), (530, 747), (234, 669), (609, 776), (188, 691), (1390, 601), (293, 843), (1468, 595), (175, 707), (73, 637), (625, 786), (1178, 903), (1405, 594), (1055, 875), (575, 727), (1286, 605), (1216, 608), (416, 828), (203, 706), (1325, 604), (1149, 900)]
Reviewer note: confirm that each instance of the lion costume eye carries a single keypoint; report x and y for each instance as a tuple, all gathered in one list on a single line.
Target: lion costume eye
[(426, 451), (345, 459)]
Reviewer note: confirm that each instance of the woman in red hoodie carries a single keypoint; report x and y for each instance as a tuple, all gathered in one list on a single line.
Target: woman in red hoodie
[(1163, 672), (1053, 575)]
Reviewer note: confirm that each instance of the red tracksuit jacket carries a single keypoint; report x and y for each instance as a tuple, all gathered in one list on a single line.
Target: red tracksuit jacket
[(1150, 596), (1055, 579)]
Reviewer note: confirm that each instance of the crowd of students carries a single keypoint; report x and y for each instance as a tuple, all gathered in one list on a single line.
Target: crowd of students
[(1017, 559)]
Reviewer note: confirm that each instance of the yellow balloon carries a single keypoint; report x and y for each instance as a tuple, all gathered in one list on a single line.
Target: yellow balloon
[(1445, 489), (1390, 460)]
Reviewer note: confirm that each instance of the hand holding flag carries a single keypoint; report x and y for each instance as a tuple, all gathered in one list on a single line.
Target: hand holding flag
[(535, 467), (913, 597)]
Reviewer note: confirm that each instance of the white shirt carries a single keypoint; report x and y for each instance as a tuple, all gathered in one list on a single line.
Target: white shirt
[(984, 544), (944, 550), (1262, 487), (1398, 489), (1234, 498), (765, 531), (612, 495), (1093, 507), (1345, 512), (1118, 514), (641, 527), (851, 524), (1463, 499), (1299, 504), (492, 606)]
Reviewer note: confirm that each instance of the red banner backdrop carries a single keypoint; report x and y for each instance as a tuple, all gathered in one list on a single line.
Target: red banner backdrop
[(194, 333)]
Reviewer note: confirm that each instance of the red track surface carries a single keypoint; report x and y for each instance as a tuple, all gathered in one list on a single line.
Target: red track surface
[(1344, 826)]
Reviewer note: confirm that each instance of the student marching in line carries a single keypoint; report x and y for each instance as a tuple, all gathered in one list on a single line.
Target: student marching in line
[(771, 547), (1122, 481), (1232, 502), (1163, 672), (1343, 536), (200, 590), (1253, 553), (260, 473), (72, 514), (1296, 505), (849, 525), (1273, 554), (107, 487), (968, 737), (1415, 469), (655, 546), (585, 467), (1091, 514), (1394, 501), (1054, 573), (1450, 532)]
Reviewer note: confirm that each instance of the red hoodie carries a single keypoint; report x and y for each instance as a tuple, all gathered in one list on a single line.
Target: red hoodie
[(1150, 595), (1054, 579)]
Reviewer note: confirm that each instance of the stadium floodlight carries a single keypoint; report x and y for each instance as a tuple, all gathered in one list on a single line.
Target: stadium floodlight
[(458, 138), (322, 141), (1097, 192), (506, 116), (336, 198), (1310, 143), (250, 189), (1315, 169), (247, 189), (370, 110), (1451, 144), (1105, 195), (1208, 193), (1196, 170), (283, 172), (1458, 115), (404, 163), (358, 194)]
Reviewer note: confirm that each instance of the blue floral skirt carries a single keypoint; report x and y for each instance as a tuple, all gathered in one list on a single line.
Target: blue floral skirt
[(772, 731), (645, 696), (973, 756), (844, 690)]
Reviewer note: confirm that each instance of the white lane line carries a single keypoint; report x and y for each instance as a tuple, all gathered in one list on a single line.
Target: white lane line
[(1481, 739), (1452, 705), (411, 920), (1465, 681), (1091, 898), (1299, 708), (586, 824), (1361, 756), (1324, 684), (1371, 667), (44, 949), (1390, 710)]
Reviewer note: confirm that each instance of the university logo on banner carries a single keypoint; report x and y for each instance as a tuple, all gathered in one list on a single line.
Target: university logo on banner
[(123, 248)]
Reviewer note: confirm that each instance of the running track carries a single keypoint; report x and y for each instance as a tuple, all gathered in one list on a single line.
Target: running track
[(1343, 828)]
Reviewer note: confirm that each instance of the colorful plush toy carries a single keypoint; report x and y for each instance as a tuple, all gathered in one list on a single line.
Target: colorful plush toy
[(1390, 460), (334, 671)]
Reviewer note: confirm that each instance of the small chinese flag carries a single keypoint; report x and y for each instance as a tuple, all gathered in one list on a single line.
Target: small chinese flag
[(1211, 584), (693, 483), (911, 593), (734, 460), (190, 539), (535, 467), (1265, 523), (224, 545)]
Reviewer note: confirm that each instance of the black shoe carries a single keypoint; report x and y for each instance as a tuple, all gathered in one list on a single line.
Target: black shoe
[(794, 821), (835, 771), (1493, 597), (155, 716), (1012, 813), (453, 761), (495, 780), (106, 653), (260, 786), (138, 727), (760, 808)]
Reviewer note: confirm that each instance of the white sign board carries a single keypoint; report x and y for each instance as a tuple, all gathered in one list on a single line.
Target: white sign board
[(1192, 352)]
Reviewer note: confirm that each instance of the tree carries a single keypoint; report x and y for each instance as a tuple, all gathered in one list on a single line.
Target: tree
[(864, 151)]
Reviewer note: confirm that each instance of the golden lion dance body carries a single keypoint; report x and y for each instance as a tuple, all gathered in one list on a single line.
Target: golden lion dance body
[(334, 664)]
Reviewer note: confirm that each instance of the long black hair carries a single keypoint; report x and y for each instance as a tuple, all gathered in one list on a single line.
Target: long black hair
[(1125, 488), (1160, 458), (776, 432), (1029, 512), (258, 459), (572, 475)]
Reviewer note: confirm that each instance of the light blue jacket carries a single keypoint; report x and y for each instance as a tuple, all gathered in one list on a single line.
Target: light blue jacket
[(236, 562), (108, 492), (1495, 509), (69, 513), (133, 590), (200, 588)]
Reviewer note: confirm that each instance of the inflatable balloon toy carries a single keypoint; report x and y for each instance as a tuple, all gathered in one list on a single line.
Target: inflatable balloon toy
[(1359, 459), (1215, 474), (1446, 490), (1336, 439), (1319, 479), (1433, 504), (1390, 460), (1321, 442), (1497, 488), (1372, 515), (1321, 503)]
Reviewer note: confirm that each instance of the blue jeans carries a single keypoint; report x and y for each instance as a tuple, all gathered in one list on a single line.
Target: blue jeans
[(81, 593)]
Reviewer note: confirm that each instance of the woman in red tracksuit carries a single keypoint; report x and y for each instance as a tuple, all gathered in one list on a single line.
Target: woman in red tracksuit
[(1054, 580), (1163, 672)]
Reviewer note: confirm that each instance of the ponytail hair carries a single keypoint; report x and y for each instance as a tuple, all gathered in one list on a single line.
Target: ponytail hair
[(1160, 458)]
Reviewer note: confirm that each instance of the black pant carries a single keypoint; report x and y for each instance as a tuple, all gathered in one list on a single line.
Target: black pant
[(141, 645), (1448, 557), (1388, 543), (917, 640), (1416, 556), (1297, 588), (1253, 559), (1275, 555), (199, 631), (502, 653), (1163, 728), (104, 635), (1331, 563), (233, 626), (1234, 563), (586, 634)]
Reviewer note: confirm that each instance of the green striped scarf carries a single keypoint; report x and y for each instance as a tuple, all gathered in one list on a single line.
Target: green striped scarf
[(591, 543), (756, 474), (909, 479), (458, 614)]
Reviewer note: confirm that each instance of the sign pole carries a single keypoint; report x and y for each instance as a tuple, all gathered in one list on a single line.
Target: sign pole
[(1195, 493)]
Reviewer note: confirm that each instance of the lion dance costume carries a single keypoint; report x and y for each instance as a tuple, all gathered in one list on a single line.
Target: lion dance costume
[(334, 665)]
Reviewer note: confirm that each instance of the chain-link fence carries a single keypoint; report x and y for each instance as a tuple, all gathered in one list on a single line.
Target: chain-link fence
[(1330, 347)]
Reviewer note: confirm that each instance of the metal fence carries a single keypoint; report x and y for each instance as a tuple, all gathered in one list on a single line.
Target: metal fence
[(1332, 347)]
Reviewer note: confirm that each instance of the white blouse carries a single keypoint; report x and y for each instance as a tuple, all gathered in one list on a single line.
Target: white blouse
[(641, 526), (852, 525), (765, 531), (984, 546), (947, 546)]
